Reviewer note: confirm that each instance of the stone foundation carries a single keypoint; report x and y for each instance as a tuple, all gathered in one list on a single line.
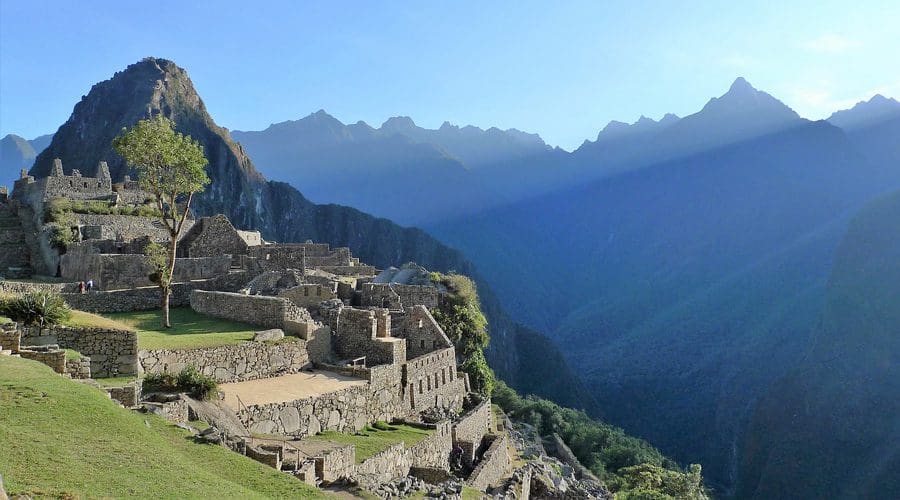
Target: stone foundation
[(112, 352), (494, 464), (79, 368), (232, 363)]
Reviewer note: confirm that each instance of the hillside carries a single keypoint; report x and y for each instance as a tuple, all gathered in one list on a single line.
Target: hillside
[(829, 428), (88, 446), (279, 210)]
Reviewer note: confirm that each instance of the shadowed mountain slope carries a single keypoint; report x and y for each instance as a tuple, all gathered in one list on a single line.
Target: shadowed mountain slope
[(831, 427)]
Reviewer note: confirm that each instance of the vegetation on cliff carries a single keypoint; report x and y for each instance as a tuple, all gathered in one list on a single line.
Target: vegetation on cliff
[(460, 316), (629, 466)]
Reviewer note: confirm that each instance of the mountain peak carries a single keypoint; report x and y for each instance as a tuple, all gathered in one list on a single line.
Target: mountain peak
[(863, 113), (744, 102), (741, 85), (398, 124)]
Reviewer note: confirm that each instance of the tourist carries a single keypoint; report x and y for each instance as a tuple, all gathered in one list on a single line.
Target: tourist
[(81, 287), (90, 285)]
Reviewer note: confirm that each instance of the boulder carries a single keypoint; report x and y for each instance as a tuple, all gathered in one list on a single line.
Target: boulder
[(268, 335)]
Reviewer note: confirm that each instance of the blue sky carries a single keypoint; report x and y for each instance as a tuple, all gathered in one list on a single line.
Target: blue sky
[(562, 69)]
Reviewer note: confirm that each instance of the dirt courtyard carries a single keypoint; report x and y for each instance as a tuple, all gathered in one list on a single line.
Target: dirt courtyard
[(286, 388)]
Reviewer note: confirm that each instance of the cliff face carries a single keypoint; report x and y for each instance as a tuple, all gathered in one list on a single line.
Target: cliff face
[(279, 211)]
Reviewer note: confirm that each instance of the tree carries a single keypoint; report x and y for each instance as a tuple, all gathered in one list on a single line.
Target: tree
[(169, 166)]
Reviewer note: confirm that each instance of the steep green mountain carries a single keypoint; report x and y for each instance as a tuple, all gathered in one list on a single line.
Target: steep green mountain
[(682, 290), (831, 427), (17, 153), (280, 211)]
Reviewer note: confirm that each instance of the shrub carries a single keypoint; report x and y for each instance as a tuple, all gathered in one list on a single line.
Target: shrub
[(41, 307), (188, 380)]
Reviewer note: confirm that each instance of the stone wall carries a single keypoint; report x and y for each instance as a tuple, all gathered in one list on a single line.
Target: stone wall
[(79, 368), (112, 352), (83, 262), (10, 337), (470, 429), (379, 295), (356, 335), (212, 237), (432, 380), (127, 227), (53, 357), (336, 463), (309, 294), (231, 363), (494, 464), (432, 452), (148, 298), (269, 312), (346, 410), (422, 333), (128, 395), (412, 295), (20, 287)]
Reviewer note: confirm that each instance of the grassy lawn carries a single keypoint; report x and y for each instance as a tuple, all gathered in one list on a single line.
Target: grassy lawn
[(83, 319), (190, 330), (62, 439), (115, 381), (370, 441)]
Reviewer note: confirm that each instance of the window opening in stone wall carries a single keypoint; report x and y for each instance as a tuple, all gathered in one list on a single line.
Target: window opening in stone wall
[(422, 344)]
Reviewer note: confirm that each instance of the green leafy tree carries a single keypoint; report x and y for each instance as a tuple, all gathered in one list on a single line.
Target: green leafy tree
[(169, 166)]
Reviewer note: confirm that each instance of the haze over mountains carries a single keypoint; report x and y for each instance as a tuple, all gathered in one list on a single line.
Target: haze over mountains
[(701, 275)]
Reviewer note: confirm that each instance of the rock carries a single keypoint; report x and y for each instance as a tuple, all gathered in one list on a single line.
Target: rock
[(290, 419), (268, 335)]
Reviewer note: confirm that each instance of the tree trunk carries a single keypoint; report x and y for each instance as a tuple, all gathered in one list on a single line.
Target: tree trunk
[(166, 292), (167, 285)]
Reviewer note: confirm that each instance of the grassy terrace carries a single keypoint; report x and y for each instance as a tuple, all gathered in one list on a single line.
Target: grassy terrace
[(63, 439), (190, 330), (370, 440)]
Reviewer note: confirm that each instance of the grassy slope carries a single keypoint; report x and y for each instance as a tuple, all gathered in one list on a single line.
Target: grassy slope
[(59, 437), (190, 330), (370, 441)]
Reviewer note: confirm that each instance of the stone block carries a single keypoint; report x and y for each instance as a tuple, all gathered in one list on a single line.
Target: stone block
[(268, 335)]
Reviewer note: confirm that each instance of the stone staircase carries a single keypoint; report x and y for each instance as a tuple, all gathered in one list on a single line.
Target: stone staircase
[(15, 256)]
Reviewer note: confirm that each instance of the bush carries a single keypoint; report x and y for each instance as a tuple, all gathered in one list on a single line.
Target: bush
[(188, 380), (41, 307)]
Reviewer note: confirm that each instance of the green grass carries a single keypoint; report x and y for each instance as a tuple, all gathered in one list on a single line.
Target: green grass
[(190, 330), (60, 438), (81, 319), (72, 354), (115, 381), (4, 320), (470, 493), (370, 441)]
